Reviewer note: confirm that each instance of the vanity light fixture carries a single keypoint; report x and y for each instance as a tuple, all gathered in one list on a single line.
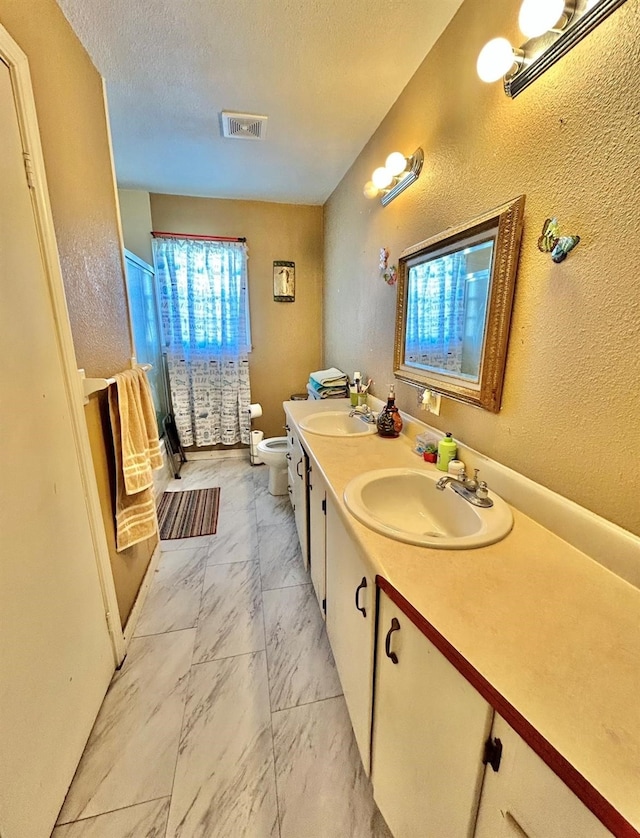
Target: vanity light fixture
[(539, 16), (553, 27), (398, 172)]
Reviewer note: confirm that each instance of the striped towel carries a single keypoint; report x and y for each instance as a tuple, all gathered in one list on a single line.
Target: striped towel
[(319, 388), (137, 453), (329, 378), (325, 392)]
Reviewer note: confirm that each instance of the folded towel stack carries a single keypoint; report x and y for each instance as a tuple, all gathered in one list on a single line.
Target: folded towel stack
[(328, 384)]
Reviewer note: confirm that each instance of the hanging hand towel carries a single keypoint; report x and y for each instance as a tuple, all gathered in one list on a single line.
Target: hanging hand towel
[(137, 453)]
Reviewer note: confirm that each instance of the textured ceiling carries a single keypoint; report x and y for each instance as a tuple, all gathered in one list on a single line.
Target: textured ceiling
[(325, 72)]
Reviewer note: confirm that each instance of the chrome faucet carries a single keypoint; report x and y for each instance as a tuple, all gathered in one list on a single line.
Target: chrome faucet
[(472, 490), (364, 412)]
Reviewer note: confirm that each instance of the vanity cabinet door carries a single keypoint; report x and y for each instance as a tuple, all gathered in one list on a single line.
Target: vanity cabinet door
[(525, 799), (351, 626), (429, 730), (317, 526), (297, 467)]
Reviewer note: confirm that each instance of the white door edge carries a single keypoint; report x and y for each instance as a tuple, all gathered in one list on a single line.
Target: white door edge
[(134, 614), (18, 65)]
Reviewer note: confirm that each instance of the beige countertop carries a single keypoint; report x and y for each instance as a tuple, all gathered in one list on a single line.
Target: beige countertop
[(554, 632)]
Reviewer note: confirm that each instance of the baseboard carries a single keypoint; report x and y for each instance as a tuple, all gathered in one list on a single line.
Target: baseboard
[(239, 453), (134, 614)]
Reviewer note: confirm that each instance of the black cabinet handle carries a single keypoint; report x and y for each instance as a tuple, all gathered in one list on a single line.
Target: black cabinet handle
[(298, 469), (492, 753), (362, 585), (395, 626)]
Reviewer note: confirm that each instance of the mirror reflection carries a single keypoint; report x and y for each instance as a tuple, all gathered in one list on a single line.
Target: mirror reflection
[(447, 297), (455, 294)]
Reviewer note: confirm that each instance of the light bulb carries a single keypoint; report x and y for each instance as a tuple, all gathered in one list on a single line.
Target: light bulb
[(539, 16), (370, 189), (382, 177), (396, 163), (495, 60)]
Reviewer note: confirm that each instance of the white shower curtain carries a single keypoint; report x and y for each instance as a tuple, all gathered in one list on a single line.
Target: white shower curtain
[(205, 318)]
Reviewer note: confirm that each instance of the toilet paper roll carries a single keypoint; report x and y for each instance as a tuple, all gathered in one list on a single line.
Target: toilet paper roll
[(256, 437), (255, 411)]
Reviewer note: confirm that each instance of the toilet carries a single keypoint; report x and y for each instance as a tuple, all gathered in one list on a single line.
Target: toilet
[(273, 452)]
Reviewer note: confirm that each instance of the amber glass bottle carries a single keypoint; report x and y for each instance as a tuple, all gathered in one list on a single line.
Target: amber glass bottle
[(389, 421)]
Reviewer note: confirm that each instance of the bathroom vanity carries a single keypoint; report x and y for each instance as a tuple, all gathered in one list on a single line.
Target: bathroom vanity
[(521, 656)]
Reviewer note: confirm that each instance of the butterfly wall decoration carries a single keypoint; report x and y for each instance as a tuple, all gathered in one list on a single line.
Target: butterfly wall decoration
[(552, 242), (388, 272)]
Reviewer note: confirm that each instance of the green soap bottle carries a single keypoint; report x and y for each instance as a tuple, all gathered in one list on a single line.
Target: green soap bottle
[(447, 450)]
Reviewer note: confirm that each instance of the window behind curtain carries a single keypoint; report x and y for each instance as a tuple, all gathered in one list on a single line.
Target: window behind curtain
[(205, 317), (204, 294)]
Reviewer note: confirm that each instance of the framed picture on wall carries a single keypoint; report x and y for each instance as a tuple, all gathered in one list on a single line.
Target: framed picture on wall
[(284, 282)]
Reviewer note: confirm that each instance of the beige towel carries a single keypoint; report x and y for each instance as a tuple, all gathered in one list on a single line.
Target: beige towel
[(137, 453)]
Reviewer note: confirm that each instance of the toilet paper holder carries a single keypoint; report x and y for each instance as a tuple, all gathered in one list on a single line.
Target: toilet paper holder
[(255, 412)]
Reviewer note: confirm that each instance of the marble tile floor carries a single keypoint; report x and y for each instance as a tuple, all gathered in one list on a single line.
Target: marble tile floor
[(227, 718)]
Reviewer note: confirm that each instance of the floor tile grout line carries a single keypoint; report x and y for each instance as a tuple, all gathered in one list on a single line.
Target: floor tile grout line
[(271, 714), (228, 657), (166, 631), (201, 561), (273, 745), (175, 764), (288, 587), (285, 587), (112, 811), (240, 561), (308, 703), (184, 707), (182, 549)]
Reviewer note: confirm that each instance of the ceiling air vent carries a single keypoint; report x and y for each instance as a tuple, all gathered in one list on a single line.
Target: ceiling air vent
[(243, 126)]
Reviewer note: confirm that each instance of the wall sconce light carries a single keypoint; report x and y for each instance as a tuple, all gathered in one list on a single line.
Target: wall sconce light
[(553, 27), (398, 172)]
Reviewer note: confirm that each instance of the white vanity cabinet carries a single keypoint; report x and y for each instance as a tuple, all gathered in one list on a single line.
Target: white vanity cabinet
[(429, 730), (525, 799), (317, 494), (297, 464), (351, 597)]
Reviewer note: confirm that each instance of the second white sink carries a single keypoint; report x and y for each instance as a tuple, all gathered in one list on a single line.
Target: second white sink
[(336, 423), (404, 504)]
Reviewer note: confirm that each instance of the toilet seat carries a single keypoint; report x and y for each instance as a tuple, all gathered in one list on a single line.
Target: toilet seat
[(274, 443)]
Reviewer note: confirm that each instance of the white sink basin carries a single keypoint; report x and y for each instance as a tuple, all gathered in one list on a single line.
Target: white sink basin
[(336, 423), (404, 504)]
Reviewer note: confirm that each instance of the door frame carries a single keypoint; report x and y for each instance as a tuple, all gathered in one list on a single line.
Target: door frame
[(18, 65)]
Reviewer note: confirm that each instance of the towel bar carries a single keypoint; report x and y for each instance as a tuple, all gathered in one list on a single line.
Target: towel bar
[(92, 385)]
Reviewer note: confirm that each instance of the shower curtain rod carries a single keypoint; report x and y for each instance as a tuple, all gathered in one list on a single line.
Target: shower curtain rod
[(156, 234)]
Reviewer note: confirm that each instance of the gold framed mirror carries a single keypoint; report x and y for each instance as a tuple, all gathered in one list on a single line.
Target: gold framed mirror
[(455, 294)]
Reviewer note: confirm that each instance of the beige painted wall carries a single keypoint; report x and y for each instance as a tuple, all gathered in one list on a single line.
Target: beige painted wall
[(286, 337), (73, 129), (570, 143), (69, 102), (135, 215)]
